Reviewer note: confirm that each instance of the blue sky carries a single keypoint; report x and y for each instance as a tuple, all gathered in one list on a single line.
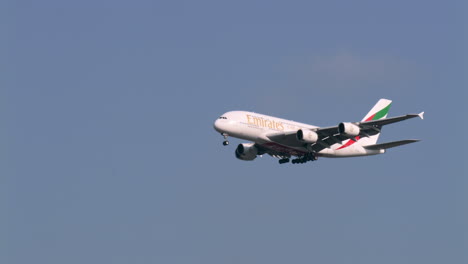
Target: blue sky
[(109, 154)]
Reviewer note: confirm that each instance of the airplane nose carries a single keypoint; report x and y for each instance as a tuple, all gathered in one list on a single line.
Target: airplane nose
[(217, 125)]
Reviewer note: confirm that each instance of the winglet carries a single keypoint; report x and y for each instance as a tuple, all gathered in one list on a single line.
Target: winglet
[(421, 115)]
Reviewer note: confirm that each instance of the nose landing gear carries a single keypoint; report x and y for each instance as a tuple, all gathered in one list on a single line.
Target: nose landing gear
[(225, 142)]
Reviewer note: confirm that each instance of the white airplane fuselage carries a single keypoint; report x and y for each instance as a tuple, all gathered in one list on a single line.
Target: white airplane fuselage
[(254, 127)]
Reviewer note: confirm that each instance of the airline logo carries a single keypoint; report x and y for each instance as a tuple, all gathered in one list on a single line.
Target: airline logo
[(263, 122)]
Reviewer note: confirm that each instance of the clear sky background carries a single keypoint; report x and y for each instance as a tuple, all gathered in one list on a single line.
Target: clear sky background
[(108, 153)]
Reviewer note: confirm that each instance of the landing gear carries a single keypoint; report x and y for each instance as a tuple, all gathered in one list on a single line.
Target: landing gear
[(298, 161), (310, 157), (304, 159), (225, 142), (285, 160)]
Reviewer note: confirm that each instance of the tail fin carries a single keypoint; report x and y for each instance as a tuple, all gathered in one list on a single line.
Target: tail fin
[(379, 111)]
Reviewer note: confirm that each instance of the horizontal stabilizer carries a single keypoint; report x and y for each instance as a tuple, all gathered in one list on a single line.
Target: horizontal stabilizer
[(390, 144)]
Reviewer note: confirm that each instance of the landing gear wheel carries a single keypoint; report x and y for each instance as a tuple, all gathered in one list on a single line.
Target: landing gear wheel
[(225, 142)]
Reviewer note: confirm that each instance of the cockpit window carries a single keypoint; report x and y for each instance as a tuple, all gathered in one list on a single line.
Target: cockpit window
[(222, 117)]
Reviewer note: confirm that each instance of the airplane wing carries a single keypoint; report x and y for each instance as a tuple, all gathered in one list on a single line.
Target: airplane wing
[(390, 120), (329, 136)]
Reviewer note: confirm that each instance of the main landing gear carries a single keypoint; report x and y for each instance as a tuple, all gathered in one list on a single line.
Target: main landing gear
[(303, 159), (299, 161), (225, 142)]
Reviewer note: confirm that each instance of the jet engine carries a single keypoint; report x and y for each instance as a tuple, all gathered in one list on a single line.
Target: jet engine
[(306, 136), (246, 151), (349, 129)]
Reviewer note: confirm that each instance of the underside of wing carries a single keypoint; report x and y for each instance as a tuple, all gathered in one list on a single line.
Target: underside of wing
[(283, 144), (289, 142), (285, 138), (328, 138)]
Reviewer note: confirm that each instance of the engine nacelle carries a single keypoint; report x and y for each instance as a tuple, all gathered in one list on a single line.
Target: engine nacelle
[(246, 151), (306, 136), (349, 129)]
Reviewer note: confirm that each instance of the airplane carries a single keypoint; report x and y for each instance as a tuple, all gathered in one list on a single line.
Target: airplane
[(288, 140)]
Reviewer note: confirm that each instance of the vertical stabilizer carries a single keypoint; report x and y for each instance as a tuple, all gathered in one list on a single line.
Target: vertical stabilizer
[(379, 111)]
